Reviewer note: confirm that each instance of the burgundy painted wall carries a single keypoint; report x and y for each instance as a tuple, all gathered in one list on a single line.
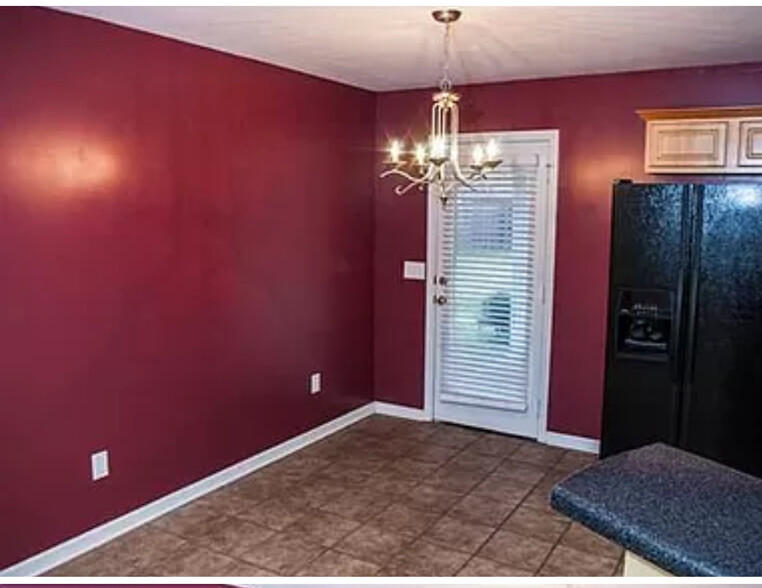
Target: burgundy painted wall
[(601, 138), (184, 237)]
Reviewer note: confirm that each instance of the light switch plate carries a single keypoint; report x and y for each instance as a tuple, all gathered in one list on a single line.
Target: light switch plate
[(315, 383), (99, 465), (414, 270)]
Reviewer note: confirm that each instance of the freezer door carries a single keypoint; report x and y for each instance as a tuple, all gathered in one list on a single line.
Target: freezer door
[(643, 371), (722, 402)]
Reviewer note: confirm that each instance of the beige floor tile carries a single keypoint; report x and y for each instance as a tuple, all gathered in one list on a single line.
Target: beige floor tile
[(323, 527), (427, 559), (333, 563), (564, 561), (313, 493), (431, 453), (452, 436), (283, 554), (275, 513), (386, 497), (226, 501), (342, 475), (233, 536), (537, 524), (583, 539), (193, 561), (459, 535), (432, 498), (146, 547), (496, 445), (372, 544), (519, 470), (241, 569), (480, 567), (575, 460), (457, 477), (502, 489), (475, 461), (190, 521), (403, 520), (482, 510), (358, 505), (551, 478), (411, 469), (538, 454), (388, 484), (539, 499), (516, 551)]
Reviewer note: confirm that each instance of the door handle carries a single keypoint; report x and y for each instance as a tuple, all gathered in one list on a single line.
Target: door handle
[(440, 299)]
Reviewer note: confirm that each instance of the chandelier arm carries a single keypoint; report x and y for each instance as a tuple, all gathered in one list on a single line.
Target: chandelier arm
[(458, 173), (412, 180), (398, 172)]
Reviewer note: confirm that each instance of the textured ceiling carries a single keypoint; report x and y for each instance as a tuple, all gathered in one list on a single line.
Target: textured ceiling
[(397, 48)]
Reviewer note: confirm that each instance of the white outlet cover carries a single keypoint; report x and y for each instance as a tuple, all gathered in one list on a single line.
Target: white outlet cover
[(99, 465), (414, 270), (315, 383)]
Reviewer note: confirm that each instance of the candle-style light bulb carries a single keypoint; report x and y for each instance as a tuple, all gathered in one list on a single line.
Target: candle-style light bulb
[(438, 148), (420, 154), (492, 150), (395, 151), (478, 156)]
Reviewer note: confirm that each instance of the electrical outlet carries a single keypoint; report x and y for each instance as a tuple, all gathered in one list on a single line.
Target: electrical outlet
[(315, 383), (99, 465)]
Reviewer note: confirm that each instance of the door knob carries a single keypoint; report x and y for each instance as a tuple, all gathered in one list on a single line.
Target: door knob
[(440, 299)]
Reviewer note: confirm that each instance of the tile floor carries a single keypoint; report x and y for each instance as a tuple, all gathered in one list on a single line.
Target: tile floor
[(383, 497)]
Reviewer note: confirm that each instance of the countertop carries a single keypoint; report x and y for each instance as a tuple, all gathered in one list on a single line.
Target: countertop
[(688, 515)]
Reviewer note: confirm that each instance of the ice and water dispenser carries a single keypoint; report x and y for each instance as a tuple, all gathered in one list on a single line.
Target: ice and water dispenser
[(644, 324)]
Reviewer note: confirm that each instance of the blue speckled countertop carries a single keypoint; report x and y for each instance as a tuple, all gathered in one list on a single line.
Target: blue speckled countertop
[(688, 515)]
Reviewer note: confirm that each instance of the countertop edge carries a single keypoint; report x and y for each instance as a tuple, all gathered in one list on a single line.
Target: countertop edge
[(595, 518)]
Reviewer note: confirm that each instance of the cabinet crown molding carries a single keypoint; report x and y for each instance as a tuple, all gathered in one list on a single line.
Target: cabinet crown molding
[(752, 110)]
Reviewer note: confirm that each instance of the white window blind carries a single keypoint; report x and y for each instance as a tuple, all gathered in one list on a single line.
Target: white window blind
[(488, 257)]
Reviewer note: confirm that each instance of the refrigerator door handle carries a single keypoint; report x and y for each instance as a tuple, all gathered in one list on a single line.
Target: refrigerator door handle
[(691, 332), (677, 323)]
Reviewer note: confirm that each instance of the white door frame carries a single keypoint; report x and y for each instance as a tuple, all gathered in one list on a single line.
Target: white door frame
[(551, 136)]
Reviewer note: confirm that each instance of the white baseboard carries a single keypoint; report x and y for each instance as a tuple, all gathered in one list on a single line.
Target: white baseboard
[(403, 412), (585, 444), (63, 552)]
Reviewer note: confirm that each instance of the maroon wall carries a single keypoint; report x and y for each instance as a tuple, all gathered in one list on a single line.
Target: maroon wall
[(601, 138), (184, 237)]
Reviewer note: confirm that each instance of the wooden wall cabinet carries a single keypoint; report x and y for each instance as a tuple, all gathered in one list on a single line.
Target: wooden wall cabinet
[(704, 140)]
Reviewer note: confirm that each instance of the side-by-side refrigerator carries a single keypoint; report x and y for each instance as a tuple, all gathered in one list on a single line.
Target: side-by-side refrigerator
[(684, 346)]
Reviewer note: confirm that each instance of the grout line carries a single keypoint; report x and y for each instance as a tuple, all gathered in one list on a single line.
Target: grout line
[(418, 482)]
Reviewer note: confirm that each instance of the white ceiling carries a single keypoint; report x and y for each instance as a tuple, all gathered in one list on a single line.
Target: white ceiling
[(394, 48)]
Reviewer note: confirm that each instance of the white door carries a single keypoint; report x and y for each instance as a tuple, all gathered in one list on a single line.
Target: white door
[(489, 297)]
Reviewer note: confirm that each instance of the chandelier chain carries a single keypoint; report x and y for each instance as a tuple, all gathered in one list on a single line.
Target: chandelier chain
[(445, 84)]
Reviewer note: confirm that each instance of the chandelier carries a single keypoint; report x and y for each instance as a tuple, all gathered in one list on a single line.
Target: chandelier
[(437, 163)]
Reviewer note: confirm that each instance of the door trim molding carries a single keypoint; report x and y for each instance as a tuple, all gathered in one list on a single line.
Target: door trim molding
[(552, 138)]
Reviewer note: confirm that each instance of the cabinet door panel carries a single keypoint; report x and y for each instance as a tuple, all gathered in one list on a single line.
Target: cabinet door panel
[(750, 143), (687, 144)]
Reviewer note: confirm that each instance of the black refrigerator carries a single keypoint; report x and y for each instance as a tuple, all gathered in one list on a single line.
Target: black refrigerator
[(684, 342)]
